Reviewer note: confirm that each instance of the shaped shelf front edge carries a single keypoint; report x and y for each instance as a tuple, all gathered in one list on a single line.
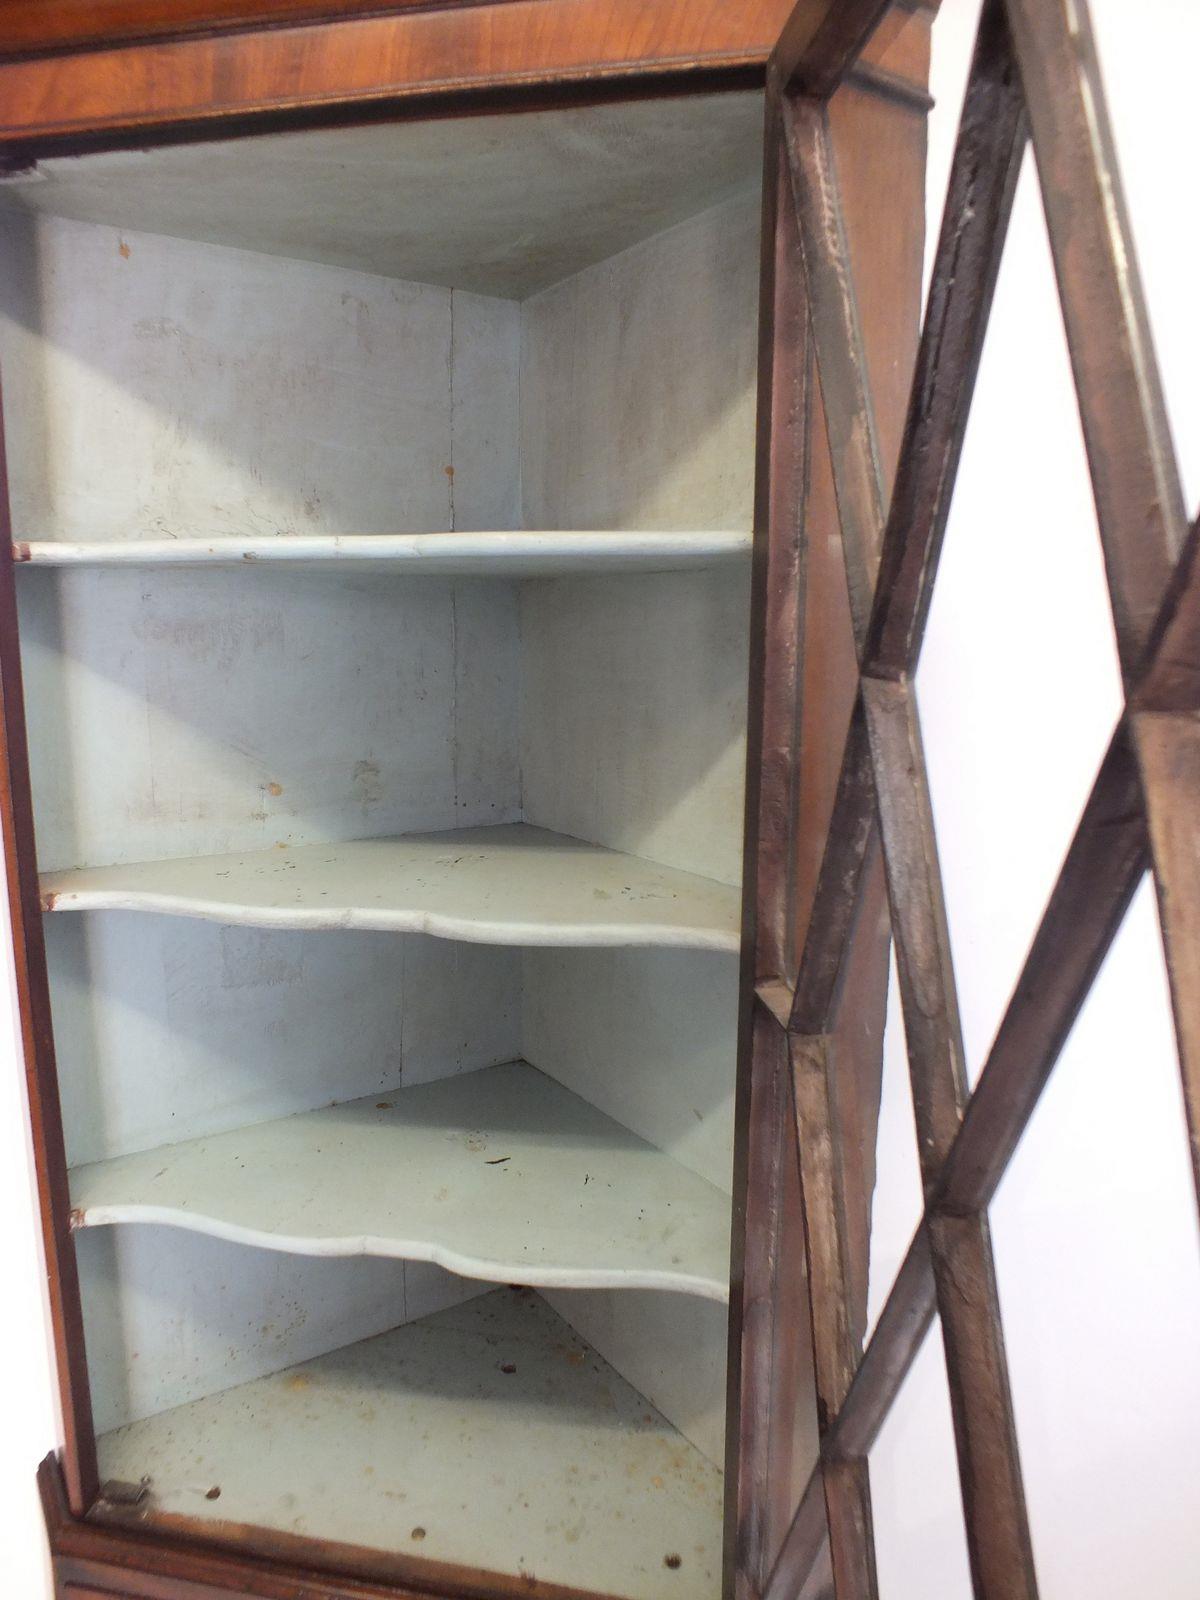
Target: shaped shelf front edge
[(509, 884), (499, 555)]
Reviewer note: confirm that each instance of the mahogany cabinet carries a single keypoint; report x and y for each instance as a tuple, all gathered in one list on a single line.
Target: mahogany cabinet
[(392, 547)]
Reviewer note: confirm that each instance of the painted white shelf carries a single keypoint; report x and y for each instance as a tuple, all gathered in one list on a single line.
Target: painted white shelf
[(488, 1435), (508, 884), (500, 1174), (500, 555)]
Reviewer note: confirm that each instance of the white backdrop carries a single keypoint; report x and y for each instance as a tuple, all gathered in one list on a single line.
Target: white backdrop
[(1095, 1227)]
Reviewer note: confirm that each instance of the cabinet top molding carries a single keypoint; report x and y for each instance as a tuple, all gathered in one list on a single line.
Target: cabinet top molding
[(122, 72), (44, 27)]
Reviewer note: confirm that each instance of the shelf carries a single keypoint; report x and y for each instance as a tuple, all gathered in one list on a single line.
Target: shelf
[(500, 1174), (509, 884), (498, 555), (488, 1435)]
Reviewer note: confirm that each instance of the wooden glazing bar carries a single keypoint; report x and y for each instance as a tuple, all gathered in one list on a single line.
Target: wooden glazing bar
[(754, 1298), (983, 179), (1102, 868), (919, 928), (976, 1367), (1139, 504), (781, 482), (776, 996), (836, 1354), (1099, 875), (822, 39), (763, 1118), (1168, 678), (899, 1334), (993, 1496), (847, 1487), (806, 1537), (998, 1542), (837, 338), (825, 1221), (848, 845), (1105, 861), (1109, 849), (1166, 734), (1168, 752)]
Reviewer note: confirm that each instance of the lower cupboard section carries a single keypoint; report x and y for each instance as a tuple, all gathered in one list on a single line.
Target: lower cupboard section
[(488, 1434)]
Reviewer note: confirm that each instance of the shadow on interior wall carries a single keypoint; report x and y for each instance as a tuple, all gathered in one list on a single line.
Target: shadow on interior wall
[(241, 710), (648, 1036), (633, 708), (167, 1028), (171, 1316), (231, 393)]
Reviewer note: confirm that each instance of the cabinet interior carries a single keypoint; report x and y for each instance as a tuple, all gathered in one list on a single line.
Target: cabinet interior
[(382, 498)]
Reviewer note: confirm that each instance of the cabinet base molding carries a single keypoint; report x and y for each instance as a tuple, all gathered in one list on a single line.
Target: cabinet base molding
[(98, 1557)]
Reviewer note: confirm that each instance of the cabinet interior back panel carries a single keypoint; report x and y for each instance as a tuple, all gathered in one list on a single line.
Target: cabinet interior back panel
[(158, 387), (213, 712), (171, 1317), (170, 1029)]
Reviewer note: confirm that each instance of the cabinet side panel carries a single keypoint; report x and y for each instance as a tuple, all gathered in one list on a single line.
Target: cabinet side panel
[(804, 684), (633, 714), (670, 1347), (880, 150), (637, 411), (638, 382), (649, 1036)]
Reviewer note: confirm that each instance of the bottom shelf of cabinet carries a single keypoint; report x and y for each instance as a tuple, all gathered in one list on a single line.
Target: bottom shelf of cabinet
[(487, 1435)]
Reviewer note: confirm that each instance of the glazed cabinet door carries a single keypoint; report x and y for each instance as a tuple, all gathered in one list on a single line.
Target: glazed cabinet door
[(815, 962), (855, 477)]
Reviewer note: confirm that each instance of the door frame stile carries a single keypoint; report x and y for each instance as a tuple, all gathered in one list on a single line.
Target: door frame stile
[(772, 763), (1143, 807)]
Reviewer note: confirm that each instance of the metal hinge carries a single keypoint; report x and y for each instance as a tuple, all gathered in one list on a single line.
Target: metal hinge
[(119, 1493)]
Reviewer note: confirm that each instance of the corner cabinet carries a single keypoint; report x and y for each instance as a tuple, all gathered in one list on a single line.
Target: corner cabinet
[(386, 577)]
